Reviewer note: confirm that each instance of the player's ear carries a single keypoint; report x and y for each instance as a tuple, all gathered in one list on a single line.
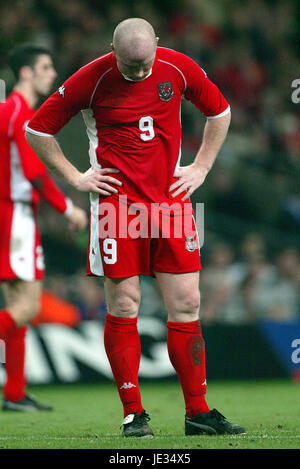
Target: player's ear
[(157, 39), (112, 47), (25, 72)]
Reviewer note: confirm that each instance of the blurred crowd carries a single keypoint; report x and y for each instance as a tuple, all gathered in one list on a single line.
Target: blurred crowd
[(237, 286), (250, 49), (251, 284)]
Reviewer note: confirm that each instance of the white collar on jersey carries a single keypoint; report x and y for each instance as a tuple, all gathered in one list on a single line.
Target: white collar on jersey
[(129, 79)]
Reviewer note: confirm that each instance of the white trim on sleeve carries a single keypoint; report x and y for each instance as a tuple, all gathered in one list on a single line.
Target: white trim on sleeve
[(227, 110), (35, 132), (14, 116), (69, 208), (172, 65)]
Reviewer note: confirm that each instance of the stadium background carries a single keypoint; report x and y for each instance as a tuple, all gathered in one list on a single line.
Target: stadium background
[(251, 277)]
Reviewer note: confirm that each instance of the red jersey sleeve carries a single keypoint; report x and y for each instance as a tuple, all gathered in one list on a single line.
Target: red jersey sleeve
[(32, 166), (201, 91), (36, 172), (48, 189), (70, 98)]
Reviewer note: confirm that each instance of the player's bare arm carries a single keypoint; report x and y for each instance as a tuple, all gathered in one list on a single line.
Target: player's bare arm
[(191, 177), (92, 180)]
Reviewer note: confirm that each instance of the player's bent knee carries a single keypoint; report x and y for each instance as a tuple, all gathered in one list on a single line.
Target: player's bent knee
[(30, 309), (126, 307), (189, 304), (24, 311)]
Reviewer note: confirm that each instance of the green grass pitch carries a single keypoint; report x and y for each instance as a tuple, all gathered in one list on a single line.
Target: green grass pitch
[(89, 416)]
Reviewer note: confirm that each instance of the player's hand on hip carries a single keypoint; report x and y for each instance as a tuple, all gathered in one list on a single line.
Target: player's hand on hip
[(189, 179), (77, 219), (97, 180)]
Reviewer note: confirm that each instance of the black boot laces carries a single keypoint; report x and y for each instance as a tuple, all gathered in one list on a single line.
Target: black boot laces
[(143, 417), (218, 415)]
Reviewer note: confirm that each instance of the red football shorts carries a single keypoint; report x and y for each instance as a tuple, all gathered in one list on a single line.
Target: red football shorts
[(133, 240), (21, 253)]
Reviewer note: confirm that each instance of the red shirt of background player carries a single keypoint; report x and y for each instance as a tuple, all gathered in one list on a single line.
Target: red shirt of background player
[(23, 180), (23, 176)]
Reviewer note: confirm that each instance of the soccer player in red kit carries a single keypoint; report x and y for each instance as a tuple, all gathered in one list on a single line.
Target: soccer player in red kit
[(130, 100), (23, 180)]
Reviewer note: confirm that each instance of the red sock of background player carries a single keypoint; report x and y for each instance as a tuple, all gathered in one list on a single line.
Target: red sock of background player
[(7, 324), (15, 385), (123, 349), (186, 349)]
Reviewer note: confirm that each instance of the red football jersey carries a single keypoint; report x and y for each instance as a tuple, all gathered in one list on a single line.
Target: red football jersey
[(23, 176), (133, 126)]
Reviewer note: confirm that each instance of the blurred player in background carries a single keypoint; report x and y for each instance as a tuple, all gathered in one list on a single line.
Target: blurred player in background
[(130, 99), (23, 180)]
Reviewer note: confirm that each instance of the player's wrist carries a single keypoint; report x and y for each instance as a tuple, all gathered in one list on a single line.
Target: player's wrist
[(76, 180), (202, 166)]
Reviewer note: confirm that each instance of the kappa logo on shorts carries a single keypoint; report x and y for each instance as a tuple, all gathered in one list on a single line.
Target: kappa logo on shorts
[(190, 243), (165, 91)]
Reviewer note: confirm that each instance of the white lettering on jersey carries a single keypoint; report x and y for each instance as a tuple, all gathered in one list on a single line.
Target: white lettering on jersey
[(146, 126)]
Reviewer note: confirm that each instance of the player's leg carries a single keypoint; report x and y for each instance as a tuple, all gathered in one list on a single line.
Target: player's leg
[(176, 261), (22, 300), (186, 349), (22, 303), (185, 342), (121, 338), (123, 296), (123, 349), (120, 260), (21, 272)]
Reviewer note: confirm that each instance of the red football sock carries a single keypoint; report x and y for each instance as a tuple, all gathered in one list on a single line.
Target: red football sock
[(186, 349), (123, 349), (14, 389), (7, 324)]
